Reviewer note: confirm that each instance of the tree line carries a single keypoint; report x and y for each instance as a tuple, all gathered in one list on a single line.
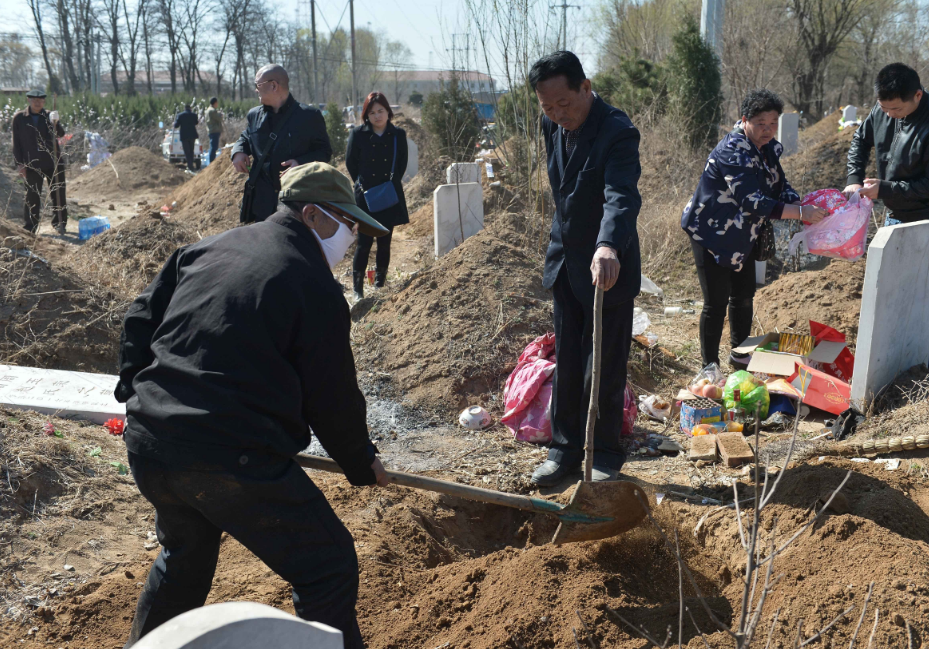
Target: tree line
[(204, 47)]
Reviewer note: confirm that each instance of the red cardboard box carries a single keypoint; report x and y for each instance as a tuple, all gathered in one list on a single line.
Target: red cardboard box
[(821, 390)]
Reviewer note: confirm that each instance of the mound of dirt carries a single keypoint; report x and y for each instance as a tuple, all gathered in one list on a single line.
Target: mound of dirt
[(824, 128), (831, 296), (450, 337), (50, 319), (126, 258), (132, 170), (209, 203), (822, 165)]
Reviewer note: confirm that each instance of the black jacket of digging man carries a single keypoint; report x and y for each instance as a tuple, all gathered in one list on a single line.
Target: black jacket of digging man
[(304, 139), (238, 347), (596, 204)]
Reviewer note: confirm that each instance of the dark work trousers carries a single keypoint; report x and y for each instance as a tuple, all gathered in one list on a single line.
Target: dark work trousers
[(723, 287), (363, 251), (56, 188), (278, 514), (571, 385), (214, 145), (189, 152)]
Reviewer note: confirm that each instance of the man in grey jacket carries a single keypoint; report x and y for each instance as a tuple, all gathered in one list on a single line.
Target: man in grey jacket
[(898, 130)]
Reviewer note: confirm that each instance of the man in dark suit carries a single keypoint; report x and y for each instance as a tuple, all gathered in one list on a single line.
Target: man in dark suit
[(187, 123), (593, 167), (303, 139)]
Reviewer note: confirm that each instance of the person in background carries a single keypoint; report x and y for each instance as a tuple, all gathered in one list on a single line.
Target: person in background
[(742, 185), (593, 168), (35, 151), (214, 126), (376, 153), (187, 122), (898, 130), (304, 139)]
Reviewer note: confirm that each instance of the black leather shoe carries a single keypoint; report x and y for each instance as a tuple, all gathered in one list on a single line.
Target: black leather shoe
[(551, 473), (358, 284), (380, 278)]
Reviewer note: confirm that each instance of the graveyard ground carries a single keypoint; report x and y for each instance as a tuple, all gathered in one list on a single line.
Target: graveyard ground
[(438, 571)]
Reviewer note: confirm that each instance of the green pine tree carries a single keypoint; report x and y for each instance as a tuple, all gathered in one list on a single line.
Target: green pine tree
[(335, 128)]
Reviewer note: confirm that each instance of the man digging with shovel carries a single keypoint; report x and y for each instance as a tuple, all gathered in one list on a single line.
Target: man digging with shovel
[(236, 349)]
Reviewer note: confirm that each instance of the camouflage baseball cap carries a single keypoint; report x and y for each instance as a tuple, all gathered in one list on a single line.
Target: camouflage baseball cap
[(324, 185)]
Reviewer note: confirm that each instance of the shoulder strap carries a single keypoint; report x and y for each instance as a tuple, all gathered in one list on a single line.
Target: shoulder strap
[(393, 164), (256, 168)]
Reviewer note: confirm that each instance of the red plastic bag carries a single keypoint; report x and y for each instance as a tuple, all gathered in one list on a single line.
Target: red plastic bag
[(830, 200), (841, 235), (844, 365)]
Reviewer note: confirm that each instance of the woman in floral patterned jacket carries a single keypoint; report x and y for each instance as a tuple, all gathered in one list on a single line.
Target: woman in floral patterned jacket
[(742, 185)]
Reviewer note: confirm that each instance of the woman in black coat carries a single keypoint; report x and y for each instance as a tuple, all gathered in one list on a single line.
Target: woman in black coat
[(371, 161)]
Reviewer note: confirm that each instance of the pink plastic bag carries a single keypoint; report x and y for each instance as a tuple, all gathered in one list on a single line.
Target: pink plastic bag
[(527, 395), (841, 235), (830, 200)]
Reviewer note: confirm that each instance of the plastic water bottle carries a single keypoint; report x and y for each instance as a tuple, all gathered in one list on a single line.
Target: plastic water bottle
[(93, 225), (640, 321)]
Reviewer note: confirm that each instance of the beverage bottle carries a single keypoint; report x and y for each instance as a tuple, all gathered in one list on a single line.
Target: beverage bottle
[(736, 413)]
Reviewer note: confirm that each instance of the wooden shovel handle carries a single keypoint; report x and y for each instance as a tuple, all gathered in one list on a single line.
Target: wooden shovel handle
[(593, 410), (443, 487)]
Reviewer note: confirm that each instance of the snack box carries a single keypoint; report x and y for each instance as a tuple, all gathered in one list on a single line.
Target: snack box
[(699, 411)]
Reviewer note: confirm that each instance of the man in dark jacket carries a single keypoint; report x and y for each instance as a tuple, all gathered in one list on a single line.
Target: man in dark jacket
[(35, 150), (187, 121), (898, 130), (236, 349), (593, 167), (302, 140)]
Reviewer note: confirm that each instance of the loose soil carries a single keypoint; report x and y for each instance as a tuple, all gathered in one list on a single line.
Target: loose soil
[(127, 171), (209, 203), (831, 296), (823, 165)]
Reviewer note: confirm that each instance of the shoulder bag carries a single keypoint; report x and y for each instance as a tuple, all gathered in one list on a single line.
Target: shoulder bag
[(383, 196), (248, 198)]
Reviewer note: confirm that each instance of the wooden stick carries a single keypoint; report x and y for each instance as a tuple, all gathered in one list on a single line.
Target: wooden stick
[(593, 411)]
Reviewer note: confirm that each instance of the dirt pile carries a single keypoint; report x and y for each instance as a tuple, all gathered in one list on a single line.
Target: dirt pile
[(831, 296), (50, 319), (11, 195), (451, 336), (209, 203), (128, 170), (822, 165), (126, 259)]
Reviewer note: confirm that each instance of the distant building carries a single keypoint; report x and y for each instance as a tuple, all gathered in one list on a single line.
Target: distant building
[(400, 84), (161, 82)]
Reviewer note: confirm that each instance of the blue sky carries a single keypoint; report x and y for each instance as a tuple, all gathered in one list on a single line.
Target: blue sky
[(418, 23)]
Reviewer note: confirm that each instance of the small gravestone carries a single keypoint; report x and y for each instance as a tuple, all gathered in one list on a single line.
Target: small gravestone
[(788, 132), (894, 309), (458, 214), (240, 625), (463, 172), (412, 164), (849, 114), (61, 393)]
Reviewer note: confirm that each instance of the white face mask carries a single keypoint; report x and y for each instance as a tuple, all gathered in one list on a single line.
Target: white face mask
[(338, 244)]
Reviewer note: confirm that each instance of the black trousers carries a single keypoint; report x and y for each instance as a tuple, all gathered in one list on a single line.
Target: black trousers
[(571, 383), (363, 251), (189, 152), (56, 188), (723, 287), (278, 514)]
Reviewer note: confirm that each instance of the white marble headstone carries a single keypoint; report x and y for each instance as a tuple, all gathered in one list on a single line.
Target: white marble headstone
[(240, 625), (463, 172), (458, 214), (788, 132), (60, 393), (892, 332), (849, 114), (412, 165)]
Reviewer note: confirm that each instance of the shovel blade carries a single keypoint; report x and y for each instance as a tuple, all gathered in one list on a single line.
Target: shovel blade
[(623, 504)]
